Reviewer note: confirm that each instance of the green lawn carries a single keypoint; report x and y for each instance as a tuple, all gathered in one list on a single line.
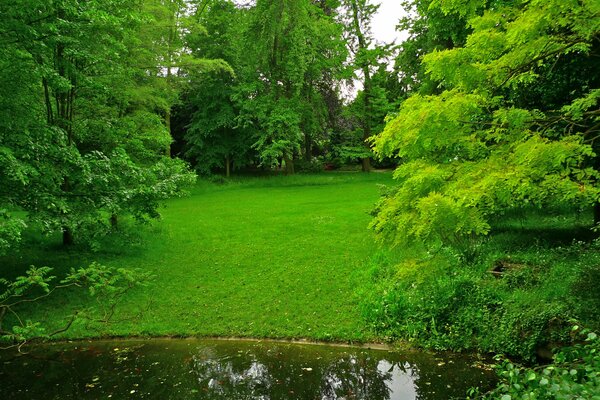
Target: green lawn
[(262, 257)]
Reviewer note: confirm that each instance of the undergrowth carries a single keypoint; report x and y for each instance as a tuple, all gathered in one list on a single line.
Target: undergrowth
[(516, 292), (574, 375)]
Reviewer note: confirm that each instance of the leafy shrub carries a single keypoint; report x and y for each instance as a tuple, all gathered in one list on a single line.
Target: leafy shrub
[(448, 299), (431, 303), (574, 374), (312, 166), (107, 285)]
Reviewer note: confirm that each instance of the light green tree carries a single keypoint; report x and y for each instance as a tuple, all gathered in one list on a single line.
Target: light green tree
[(472, 151)]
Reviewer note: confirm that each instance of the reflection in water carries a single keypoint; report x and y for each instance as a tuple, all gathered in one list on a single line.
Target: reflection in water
[(222, 379), (210, 369), (355, 377)]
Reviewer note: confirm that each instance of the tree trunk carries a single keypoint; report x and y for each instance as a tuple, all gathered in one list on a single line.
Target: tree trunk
[(114, 221), (366, 164), (289, 166), (168, 125), (366, 120), (307, 147), (596, 149), (227, 166), (67, 236)]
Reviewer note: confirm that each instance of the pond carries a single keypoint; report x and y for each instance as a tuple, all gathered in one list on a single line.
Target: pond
[(227, 369)]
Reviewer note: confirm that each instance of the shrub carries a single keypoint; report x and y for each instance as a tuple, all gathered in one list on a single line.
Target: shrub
[(312, 166), (574, 374)]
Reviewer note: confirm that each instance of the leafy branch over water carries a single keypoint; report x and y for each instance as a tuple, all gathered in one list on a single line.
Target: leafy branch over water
[(107, 285)]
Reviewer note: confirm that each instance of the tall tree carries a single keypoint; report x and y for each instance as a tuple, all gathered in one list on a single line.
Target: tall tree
[(68, 142), (291, 45), (208, 112), (365, 58), (481, 146)]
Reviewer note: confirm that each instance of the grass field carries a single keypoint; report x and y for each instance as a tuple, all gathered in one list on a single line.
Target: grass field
[(278, 257)]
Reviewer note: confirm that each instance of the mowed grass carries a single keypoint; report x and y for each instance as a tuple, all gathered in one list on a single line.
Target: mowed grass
[(280, 257)]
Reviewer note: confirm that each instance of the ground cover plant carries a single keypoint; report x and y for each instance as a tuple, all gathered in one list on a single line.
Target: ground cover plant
[(489, 112), (259, 257), (517, 292)]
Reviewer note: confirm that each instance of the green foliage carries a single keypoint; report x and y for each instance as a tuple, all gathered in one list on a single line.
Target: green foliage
[(468, 152), (429, 29), (81, 121), (107, 285), (371, 105), (513, 293), (291, 52), (574, 374), (313, 166)]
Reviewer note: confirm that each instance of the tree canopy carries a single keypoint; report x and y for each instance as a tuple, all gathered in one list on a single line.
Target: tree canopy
[(479, 147), (81, 126)]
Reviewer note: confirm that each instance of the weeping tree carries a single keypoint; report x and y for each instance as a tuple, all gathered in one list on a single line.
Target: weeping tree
[(482, 145), (290, 45)]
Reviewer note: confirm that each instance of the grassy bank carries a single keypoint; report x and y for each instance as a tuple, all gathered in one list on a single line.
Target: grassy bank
[(519, 291), (255, 257)]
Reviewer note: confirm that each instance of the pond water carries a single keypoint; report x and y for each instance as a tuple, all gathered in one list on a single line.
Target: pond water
[(225, 369)]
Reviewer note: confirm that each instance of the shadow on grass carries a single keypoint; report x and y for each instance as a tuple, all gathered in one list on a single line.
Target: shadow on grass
[(544, 227), (48, 251), (551, 236)]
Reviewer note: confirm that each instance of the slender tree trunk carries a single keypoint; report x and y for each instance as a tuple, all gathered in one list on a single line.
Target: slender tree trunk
[(173, 17), (307, 147), (289, 165), (67, 237), (168, 125), (597, 213), (596, 149), (64, 112), (114, 221), (366, 120), (366, 162), (227, 166)]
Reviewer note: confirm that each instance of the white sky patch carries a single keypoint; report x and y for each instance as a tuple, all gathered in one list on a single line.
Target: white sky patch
[(385, 21), (383, 29)]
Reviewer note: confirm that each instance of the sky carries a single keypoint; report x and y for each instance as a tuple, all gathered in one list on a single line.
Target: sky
[(385, 21)]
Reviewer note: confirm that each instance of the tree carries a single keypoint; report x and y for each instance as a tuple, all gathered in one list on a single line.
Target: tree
[(429, 29), (290, 47), (473, 151), (366, 56), (208, 111), (73, 149)]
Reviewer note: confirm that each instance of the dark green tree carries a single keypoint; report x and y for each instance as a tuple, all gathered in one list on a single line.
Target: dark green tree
[(73, 148)]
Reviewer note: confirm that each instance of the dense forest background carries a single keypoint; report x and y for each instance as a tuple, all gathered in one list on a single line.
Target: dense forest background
[(488, 113), (102, 99)]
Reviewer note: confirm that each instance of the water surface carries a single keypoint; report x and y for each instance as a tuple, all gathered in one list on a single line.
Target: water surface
[(224, 369)]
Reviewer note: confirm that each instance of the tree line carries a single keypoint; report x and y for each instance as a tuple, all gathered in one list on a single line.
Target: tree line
[(487, 106)]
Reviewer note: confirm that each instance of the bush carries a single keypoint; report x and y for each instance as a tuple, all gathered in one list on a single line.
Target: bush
[(450, 300), (574, 374), (312, 166)]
